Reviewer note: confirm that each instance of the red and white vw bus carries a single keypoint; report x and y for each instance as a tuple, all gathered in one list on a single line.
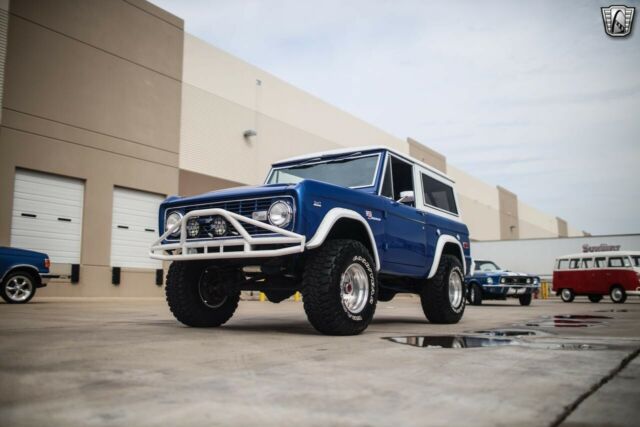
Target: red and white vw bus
[(595, 274)]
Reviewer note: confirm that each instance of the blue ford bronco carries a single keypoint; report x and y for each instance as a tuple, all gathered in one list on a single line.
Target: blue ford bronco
[(346, 228), (487, 281)]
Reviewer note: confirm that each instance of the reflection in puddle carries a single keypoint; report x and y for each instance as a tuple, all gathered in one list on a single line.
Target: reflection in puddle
[(580, 316), (613, 310), (451, 341), (560, 324), (507, 332)]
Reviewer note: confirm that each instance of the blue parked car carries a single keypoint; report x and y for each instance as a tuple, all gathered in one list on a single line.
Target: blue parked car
[(346, 228), (490, 282), (21, 273)]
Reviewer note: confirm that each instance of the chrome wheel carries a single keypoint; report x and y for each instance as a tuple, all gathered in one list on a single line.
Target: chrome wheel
[(566, 294), (19, 288), (354, 288), (455, 288)]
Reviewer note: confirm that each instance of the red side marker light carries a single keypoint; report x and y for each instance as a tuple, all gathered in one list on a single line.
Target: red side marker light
[(465, 245), (47, 263)]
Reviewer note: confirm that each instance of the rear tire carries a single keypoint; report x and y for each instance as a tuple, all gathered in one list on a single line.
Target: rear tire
[(18, 287), (339, 288), (475, 294), (443, 296), (618, 295), (595, 298), (567, 295), (525, 299), (197, 295)]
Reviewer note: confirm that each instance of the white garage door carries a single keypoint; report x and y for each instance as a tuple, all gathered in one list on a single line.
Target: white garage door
[(135, 227), (47, 215)]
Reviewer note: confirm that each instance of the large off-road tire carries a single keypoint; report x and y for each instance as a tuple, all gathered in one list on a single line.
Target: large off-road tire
[(18, 287), (617, 294), (525, 299), (443, 296), (475, 294), (339, 287), (197, 295), (567, 295), (595, 298)]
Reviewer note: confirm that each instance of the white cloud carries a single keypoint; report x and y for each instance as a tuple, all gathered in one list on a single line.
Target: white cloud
[(532, 96)]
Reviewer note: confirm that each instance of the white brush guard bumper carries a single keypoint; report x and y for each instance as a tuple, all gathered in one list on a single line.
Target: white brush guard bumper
[(185, 250)]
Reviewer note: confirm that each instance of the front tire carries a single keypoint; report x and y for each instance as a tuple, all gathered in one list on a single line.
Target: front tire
[(443, 296), (567, 295), (618, 295), (525, 299), (197, 295), (18, 287), (339, 288)]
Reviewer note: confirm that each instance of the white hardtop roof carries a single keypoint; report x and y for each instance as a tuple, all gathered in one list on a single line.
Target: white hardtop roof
[(339, 151), (600, 254)]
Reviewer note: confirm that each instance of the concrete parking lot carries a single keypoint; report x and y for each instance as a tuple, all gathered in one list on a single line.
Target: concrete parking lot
[(127, 362)]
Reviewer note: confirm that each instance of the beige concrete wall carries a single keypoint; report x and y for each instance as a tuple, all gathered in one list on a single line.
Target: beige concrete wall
[(534, 223), (92, 91), (223, 96), (479, 205), (427, 155), (563, 230), (509, 223), (192, 183)]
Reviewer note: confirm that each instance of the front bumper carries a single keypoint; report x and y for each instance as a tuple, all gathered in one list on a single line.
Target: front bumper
[(243, 246), (511, 290)]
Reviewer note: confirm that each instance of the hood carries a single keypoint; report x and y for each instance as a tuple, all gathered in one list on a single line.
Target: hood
[(21, 252), (500, 273), (231, 193)]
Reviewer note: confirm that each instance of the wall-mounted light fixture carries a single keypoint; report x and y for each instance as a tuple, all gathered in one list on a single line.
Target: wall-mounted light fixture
[(249, 133)]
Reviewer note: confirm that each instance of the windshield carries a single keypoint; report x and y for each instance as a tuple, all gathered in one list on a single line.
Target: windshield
[(486, 266), (636, 260), (346, 172)]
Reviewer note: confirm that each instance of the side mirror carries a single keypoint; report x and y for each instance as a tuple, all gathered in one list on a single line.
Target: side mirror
[(407, 197)]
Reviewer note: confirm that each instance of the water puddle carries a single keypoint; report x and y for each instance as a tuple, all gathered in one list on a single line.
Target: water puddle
[(613, 310), (451, 341), (462, 341), (580, 317), (567, 321)]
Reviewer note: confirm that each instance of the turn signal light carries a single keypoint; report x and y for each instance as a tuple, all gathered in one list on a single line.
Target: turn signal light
[(47, 263)]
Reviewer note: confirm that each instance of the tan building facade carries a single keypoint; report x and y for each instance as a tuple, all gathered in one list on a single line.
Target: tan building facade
[(109, 106)]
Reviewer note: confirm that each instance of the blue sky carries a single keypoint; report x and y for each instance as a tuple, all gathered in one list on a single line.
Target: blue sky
[(531, 96)]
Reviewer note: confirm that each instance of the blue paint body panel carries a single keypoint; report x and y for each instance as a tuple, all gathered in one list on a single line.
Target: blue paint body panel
[(492, 285), (11, 258), (405, 237)]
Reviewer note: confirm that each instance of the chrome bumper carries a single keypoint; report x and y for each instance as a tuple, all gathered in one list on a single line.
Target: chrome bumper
[(215, 248)]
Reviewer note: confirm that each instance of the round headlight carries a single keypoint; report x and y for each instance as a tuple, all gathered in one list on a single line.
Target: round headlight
[(529, 280), (219, 226), (489, 280), (503, 280), (173, 219), (193, 228), (280, 214)]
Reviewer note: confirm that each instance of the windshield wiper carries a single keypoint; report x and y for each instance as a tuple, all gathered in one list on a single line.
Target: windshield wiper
[(305, 164)]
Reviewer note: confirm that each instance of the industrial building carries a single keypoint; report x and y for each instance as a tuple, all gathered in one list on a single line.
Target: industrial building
[(108, 107)]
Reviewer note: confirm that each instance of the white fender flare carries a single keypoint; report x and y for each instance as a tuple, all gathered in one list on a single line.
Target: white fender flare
[(327, 224), (443, 240)]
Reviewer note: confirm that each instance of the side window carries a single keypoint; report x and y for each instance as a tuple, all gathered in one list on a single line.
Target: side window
[(626, 261), (387, 184), (636, 260), (587, 263), (600, 262), (438, 194), (615, 262), (563, 264), (575, 263), (401, 177)]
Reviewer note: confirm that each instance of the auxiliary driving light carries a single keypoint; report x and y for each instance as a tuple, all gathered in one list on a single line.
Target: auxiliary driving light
[(173, 219), (219, 226), (280, 214), (193, 228)]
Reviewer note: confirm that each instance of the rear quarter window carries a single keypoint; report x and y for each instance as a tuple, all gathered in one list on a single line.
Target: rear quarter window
[(438, 195), (616, 262)]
